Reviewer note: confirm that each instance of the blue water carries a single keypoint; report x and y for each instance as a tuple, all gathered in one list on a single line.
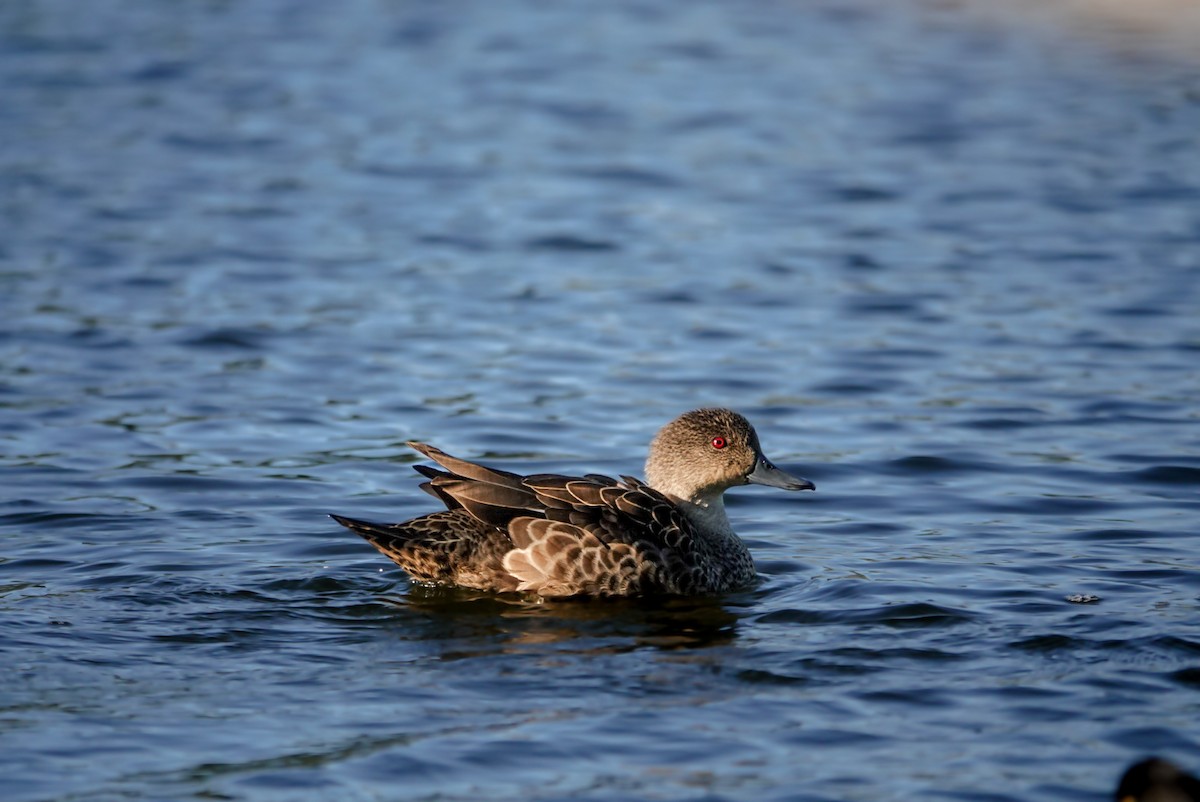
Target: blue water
[(948, 263)]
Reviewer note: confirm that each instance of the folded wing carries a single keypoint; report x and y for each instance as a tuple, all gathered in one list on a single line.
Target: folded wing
[(547, 533)]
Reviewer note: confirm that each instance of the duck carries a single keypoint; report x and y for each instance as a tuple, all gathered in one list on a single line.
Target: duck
[(558, 536), (1157, 780)]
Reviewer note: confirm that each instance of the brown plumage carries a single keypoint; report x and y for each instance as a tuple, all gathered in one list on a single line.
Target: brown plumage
[(590, 535)]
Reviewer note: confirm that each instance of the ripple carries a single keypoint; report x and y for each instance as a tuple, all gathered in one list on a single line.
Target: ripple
[(863, 194), (422, 172), (632, 176), (1169, 475), (932, 464), (758, 676), (241, 339), (1116, 535), (1046, 643), (832, 737), (918, 614), (157, 71), (570, 243), (221, 144), (998, 424), (1189, 677)]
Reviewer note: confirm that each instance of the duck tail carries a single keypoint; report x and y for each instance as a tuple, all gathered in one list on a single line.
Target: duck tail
[(388, 538)]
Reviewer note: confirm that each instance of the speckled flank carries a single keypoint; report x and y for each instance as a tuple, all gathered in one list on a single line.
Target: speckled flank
[(561, 536)]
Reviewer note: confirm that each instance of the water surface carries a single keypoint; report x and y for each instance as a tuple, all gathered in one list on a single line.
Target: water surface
[(948, 263)]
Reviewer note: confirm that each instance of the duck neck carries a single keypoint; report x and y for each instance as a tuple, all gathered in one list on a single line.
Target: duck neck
[(707, 515), (728, 557)]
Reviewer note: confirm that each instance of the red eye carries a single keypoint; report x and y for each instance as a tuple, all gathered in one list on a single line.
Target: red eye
[(718, 442)]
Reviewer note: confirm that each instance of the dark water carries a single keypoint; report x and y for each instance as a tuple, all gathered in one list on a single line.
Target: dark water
[(948, 265)]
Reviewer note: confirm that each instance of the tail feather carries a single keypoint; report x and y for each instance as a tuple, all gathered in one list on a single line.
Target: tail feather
[(388, 538), (359, 526)]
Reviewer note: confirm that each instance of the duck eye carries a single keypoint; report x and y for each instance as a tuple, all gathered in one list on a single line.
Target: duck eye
[(718, 442)]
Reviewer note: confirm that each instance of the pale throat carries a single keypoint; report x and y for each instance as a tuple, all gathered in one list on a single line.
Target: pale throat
[(707, 513), (703, 507)]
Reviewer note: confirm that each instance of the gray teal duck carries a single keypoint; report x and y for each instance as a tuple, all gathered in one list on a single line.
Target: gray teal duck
[(561, 536)]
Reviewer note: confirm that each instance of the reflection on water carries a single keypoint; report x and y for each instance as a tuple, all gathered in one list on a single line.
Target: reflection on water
[(666, 624), (944, 259)]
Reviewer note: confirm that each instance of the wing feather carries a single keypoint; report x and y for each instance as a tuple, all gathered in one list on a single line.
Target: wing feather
[(603, 537), (465, 469)]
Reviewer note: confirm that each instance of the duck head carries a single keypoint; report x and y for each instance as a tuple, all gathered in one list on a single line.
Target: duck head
[(703, 453)]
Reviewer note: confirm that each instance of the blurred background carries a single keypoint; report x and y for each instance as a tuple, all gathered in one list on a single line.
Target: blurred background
[(945, 255)]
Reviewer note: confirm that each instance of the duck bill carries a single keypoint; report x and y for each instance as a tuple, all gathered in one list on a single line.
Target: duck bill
[(765, 473)]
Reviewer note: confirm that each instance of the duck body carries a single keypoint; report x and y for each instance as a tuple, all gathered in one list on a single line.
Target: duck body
[(561, 536)]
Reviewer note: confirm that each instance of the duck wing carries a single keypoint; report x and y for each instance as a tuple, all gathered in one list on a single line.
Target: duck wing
[(597, 536), (490, 495)]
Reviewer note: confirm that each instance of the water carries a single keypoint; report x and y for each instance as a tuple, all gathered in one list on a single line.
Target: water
[(947, 262)]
